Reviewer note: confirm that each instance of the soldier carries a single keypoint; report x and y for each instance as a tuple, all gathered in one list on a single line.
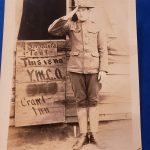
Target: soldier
[(87, 66)]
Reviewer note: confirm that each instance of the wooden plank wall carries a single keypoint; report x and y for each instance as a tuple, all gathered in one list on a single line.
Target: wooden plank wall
[(114, 98)]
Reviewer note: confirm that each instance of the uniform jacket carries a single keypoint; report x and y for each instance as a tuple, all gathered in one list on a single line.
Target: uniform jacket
[(88, 45)]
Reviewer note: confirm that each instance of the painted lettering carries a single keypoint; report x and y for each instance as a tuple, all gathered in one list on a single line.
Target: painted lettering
[(39, 62), (49, 61), (32, 102), (58, 73), (42, 111), (57, 61), (31, 63), (34, 111), (22, 102), (30, 74), (25, 61), (47, 73), (31, 51), (39, 75)]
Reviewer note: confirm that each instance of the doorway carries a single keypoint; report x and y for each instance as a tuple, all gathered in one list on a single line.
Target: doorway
[(37, 16)]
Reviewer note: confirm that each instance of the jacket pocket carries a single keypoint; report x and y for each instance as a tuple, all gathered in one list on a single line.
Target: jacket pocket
[(92, 30), (95, 54), (74, 53), (92, 34)]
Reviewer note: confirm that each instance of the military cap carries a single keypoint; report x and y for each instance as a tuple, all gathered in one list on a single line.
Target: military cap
[(83, 4)]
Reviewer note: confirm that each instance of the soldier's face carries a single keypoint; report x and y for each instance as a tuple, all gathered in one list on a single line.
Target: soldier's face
[(83, 14)]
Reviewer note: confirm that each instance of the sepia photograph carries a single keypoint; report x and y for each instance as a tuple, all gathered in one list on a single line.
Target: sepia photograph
[(74, 84)]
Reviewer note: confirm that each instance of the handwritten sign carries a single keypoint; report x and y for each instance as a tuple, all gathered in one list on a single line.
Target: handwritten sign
[(37, 48), (40, 83), (42, 74)]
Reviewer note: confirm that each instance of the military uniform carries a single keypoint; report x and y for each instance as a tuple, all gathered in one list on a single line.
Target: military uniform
[(88, 56)]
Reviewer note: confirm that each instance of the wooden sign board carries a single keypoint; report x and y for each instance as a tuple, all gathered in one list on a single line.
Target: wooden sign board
[(40, 83)]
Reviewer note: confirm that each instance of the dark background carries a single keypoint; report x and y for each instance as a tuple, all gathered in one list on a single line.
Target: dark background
[(143, 31), (37, 16)]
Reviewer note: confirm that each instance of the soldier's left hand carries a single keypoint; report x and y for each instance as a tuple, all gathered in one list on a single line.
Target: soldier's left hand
[(102, 76)]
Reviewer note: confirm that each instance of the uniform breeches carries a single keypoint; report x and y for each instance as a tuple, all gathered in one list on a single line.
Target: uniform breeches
[(85, 88)]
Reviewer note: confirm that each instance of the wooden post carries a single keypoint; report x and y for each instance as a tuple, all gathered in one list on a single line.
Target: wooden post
[(75, 131)]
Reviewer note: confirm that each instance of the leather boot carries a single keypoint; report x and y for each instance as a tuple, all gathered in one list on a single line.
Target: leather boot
[(95, 140), (82, 140)]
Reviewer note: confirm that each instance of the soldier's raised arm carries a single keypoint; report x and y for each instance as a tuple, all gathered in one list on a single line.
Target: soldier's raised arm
[(60, 26)]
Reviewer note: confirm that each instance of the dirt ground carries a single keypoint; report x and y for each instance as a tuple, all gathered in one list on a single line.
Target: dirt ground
[(113, 135)]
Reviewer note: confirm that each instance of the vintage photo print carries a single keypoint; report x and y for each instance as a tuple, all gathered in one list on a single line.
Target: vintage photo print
[(73, 82)]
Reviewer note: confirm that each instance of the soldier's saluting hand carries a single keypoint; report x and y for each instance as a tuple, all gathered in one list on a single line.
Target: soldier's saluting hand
[(70, 15)]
